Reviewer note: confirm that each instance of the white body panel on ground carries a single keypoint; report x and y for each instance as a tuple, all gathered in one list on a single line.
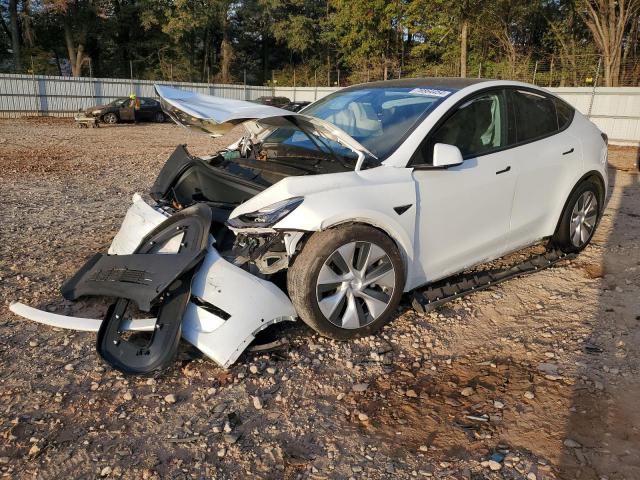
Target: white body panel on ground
[(217, 282)]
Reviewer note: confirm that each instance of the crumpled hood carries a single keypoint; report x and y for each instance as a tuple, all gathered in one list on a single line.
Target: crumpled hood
[(217, 115)]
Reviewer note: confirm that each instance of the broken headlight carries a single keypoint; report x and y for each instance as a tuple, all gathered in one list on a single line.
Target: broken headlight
[(266, 216)]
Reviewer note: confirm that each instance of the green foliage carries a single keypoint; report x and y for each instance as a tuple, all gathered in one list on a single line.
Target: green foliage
[(311, 40)]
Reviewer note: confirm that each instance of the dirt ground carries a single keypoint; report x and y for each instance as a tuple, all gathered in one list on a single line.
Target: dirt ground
[(536, 378)]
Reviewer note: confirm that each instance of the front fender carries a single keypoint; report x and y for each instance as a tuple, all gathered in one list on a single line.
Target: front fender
[(385, 198)]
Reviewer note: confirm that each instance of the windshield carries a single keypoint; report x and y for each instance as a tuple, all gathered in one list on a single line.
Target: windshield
[(378, 118), (307, 142)]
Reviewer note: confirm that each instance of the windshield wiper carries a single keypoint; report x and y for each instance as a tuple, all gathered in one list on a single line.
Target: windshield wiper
[(335, 156)]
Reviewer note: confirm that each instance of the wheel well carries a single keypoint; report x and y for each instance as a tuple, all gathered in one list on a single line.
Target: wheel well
[(401, 250), (598, 180)]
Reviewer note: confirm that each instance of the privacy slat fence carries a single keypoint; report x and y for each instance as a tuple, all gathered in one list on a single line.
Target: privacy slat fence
[(615, 110)]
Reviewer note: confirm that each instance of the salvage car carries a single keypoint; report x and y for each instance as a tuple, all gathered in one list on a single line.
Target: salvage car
[(121, 110), (331, 215)]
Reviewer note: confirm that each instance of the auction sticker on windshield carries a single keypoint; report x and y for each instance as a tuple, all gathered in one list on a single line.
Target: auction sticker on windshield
[(432, 92)]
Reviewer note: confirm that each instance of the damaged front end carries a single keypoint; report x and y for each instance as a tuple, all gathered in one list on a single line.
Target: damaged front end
[(181, 261), (164, 262), (178, 261)]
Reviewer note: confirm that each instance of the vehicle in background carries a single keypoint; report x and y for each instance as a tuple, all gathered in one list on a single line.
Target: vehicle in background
[(124, 110), (295, 106), (279, 102)]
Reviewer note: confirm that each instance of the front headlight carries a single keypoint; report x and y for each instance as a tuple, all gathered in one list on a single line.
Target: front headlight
[(96, 112), (266, 216)]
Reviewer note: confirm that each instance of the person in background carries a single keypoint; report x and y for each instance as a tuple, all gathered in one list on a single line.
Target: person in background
[(134, 101)]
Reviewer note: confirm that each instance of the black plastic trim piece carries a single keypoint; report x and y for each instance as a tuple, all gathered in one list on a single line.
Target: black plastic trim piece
[(402, 208), (158, 352), (143, 276), (210, 307), (443, 291), (178, 162)]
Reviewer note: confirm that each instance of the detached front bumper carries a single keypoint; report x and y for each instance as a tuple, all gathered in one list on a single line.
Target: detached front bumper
[(227, 306)]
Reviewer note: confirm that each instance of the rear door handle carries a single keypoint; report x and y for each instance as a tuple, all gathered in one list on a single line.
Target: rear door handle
[(568, 151), (503, 170)]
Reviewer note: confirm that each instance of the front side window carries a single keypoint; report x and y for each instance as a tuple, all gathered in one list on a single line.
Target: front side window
[(477, 127), (535, 115)]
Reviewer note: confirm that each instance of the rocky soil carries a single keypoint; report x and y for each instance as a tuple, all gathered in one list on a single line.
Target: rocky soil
[(536, 378)]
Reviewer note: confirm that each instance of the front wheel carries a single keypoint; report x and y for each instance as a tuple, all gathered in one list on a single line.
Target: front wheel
[(110, 118), (579, 218), (347, 281), (158, 117)]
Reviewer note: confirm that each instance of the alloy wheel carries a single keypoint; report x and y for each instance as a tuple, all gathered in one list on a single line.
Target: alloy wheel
[(355, 285), (583, 218), (110, 118)]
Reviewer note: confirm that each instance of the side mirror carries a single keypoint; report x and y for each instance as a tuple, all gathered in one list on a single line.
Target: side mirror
[(446, 155)]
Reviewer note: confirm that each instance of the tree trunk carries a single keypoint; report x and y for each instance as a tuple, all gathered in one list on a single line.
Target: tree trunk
[(464, 36), (76, 55), (15, 35), (226, 50)]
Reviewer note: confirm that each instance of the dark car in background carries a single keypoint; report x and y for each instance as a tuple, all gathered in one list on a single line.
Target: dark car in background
[(125, 110), (279, 102), (295, 106)]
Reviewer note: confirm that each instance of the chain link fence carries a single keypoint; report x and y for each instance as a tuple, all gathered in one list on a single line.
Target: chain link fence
[(551, 71)]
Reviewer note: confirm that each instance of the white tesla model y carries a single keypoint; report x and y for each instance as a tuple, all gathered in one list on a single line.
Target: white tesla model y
[(332, 213)]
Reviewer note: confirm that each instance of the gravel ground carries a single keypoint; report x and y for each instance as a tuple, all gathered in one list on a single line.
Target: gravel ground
[(536, 378)]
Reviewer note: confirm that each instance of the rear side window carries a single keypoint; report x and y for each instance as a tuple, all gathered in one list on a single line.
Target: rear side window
[(535, 115)]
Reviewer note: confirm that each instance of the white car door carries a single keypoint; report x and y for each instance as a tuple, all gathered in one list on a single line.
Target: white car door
[(544, 164), (463, 211)]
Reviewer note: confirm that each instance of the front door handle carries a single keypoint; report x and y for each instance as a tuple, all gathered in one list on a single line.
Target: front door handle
[(503, 170), (568, 151)]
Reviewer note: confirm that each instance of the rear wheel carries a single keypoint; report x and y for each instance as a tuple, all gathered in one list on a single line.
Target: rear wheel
[(110, 118), (579, 218), (347, 282)]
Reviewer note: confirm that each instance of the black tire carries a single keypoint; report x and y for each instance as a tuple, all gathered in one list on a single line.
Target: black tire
[(110, 118), (568, 239), (158, 117), (304, 288)]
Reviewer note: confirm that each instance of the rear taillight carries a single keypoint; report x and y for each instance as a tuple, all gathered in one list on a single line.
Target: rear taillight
[(605, 137)]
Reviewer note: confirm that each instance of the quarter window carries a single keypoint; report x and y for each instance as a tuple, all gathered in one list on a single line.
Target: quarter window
[(565, 113)]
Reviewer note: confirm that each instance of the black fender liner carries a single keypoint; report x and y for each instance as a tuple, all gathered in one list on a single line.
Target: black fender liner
[(144, 275), (179, 161), (147, 277)]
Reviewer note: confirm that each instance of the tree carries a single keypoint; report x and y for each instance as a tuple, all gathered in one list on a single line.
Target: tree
[(609, 22), (15, 35), (78, 17)]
